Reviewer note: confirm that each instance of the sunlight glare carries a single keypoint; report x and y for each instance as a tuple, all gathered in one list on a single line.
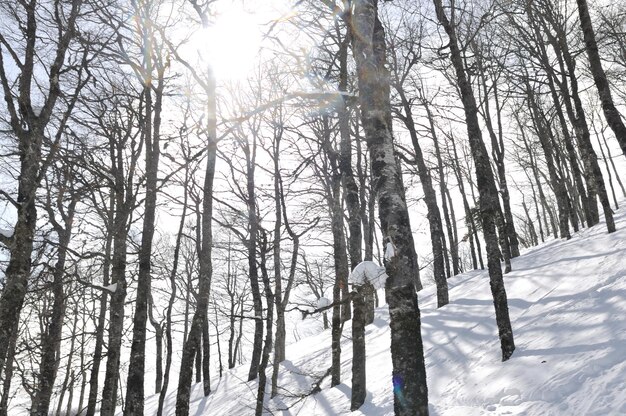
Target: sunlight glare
[(231, 44)]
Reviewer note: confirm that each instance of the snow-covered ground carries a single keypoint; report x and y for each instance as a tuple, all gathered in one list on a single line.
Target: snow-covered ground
[(567, 301)]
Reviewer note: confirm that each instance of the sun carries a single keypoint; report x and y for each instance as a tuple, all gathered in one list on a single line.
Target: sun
[(231, 44)]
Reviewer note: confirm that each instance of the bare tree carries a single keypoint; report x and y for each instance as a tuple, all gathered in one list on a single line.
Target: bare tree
[(32, 104), (488, 194), (409, 373)]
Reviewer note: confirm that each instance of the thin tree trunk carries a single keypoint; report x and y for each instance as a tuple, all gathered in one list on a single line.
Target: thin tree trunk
[(608, 152), (611, 114), (269, 319), (158, 339), (106, 271), (454, 251), (136, 368), (497, 151), (51, 339), (118, 277), (194, 338), (489, 202), (558, 185), (430, 198), (577, 116), (172, 299), (469, 218), (69, 373)]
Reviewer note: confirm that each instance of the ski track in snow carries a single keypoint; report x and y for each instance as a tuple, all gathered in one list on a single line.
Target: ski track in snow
[(567, 302)]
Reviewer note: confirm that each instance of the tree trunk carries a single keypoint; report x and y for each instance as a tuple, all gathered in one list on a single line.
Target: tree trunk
[(341, 275), (488, 194), (8, 371), (194, 338), (409, 373), (158, 339), (116, 307), (51, 338), (469, 218), (611, 114), (30, 129), (359, 384), (253, 229), (136, 367), (172, 299), (430, 198), (454, 251), (106, 271), (558, 185), (497, 151), (269, 319)]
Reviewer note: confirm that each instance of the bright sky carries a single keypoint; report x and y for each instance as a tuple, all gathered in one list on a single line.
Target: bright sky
[(233, 41)]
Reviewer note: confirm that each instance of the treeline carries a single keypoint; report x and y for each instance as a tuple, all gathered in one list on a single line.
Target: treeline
[(144, 200)]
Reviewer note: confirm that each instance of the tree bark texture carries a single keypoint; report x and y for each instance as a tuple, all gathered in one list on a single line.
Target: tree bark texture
[(51, 338), (409, 373), (488, 194), (430, 198), (136, 368), (193, 342), (359, 384), (611, 114), (30, 129)]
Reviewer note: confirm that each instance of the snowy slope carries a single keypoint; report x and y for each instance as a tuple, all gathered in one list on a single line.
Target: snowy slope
[(567, 301)]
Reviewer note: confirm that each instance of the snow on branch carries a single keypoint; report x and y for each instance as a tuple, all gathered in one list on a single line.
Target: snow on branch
[(112, 288), (6, 237), (369, 271)]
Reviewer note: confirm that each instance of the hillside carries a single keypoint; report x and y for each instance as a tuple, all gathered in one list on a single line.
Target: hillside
[(567, 301)]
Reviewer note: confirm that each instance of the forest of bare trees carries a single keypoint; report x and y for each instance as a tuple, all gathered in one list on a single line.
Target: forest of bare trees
[(162, 223)]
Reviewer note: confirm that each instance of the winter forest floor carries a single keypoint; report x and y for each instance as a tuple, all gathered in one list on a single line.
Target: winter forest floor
[(567, 301)]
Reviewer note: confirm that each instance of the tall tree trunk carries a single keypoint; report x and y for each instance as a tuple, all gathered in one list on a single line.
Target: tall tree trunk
[(341, 276), (587, 200), (558, 185), (469, 218), (253, 229), (51, 338), (497, 151), (488, 194), (30, 129), (194, 338), (454, 250), (172, 298), (118, 277), (409, 372), (430, 198), (282, 300), (269, 319), (611, 114), (557, 36), (359, 380), (106, 271), (136, 368)]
